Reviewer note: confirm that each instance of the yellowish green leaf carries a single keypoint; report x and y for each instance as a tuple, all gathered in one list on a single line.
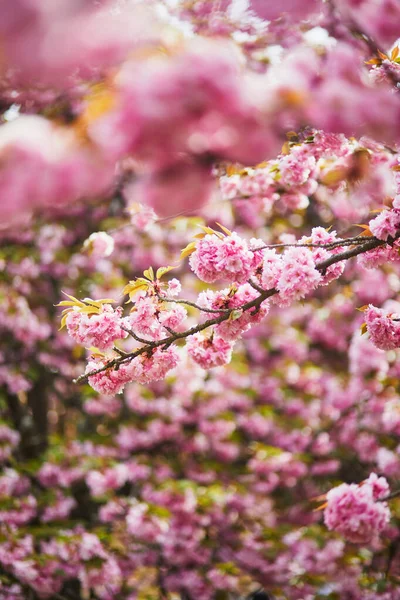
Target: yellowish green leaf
[(235, 314), (334, 176), (66, 303), (224, 229), (163, 270), (149, 274), (366, 230), (373, 61), (134, 286), (285, 150), (363, 308), (95, 351), (75, 301), (63, 321), (208, 230), (190, 248)]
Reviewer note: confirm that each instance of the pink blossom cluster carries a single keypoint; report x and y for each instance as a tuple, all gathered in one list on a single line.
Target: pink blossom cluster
[(379, 256), (317, 165), (154, 317), (149, 318), (52, 475), (60, 510), (17, 317), (32, 144), (143, 369), (209, 352), (383, 328), (357, 511), (80, 555), (99, 244), (108, 381), (291, 179), (319, 235), (234, 298), (34, 35), (115, 477), (298, 275), (227, 258), (98, 330), (102, 405), (386, 224)]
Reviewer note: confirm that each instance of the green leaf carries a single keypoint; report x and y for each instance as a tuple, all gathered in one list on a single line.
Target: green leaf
[(163, 270), (188, 250), (135, 286), (149, 274), (224, 229)]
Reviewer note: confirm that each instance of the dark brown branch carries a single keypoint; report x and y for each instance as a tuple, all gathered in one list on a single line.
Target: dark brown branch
[(327, 246), (369, 245)]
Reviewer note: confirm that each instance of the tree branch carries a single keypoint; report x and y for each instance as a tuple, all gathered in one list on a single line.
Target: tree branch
[(370, 244)]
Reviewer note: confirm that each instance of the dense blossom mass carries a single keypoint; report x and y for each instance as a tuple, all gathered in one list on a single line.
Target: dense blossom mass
[(206, 194), (357, 511)]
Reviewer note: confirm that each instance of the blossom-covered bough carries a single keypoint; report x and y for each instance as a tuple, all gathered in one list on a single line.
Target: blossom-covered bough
[(226, 428), (289, 277)]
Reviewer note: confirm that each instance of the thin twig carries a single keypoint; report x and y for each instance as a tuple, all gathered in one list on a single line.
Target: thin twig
[(193, 305), (328, 246), (119, 351), (136, 337)]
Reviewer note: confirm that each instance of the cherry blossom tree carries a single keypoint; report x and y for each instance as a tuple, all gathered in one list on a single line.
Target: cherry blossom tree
[(200, 322)]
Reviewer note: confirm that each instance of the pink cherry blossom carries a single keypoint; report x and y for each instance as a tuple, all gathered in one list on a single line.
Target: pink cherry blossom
[(383, 329), (298, 277), (145, 369), (386, 224), (109, 381), (209, 352), (99, 330), (228, 258), (356, 511)]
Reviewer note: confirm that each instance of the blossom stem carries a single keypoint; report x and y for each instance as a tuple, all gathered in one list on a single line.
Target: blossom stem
[(328, 246), (193, 305)]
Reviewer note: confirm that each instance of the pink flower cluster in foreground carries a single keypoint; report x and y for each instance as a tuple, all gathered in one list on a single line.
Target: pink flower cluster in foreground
[(386, 224), (357, 511), (209, 352), (228, 258), (143, 369), (250, 267), (383, 328), (98, 330)]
